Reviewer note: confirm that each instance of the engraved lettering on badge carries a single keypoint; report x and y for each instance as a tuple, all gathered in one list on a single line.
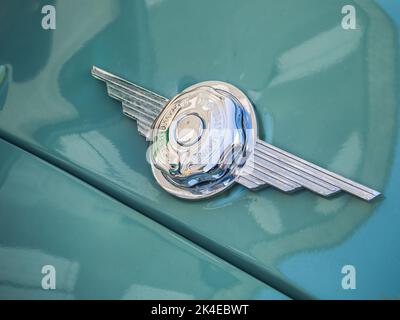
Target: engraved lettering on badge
[(166, 121), (184, 103)]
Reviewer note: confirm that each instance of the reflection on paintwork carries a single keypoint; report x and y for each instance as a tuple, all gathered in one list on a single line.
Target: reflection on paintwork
[(339, 112), (271, 222), (99, 248), (97, 151), (317, 54)]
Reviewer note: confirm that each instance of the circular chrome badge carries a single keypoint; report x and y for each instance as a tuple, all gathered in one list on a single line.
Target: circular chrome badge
[(201, 139)]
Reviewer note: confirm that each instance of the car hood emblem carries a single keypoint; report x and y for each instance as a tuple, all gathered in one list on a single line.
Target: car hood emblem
[(205, 139)]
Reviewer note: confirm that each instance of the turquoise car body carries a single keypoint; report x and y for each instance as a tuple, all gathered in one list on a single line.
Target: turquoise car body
[(76, 191)]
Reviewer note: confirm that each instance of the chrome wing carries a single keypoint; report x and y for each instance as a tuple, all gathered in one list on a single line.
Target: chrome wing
[(270, 165), (137, 103)]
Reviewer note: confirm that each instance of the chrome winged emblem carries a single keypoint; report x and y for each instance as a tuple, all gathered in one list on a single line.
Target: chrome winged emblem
[(205, 139)]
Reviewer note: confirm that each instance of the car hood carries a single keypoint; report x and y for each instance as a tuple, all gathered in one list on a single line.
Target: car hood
[(326, 94)]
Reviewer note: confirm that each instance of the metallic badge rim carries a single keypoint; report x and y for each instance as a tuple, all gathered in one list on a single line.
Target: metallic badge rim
[(218, 188)]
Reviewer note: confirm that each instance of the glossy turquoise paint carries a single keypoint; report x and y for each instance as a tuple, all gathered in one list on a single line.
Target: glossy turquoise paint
[(99, 247), (323, 93)]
